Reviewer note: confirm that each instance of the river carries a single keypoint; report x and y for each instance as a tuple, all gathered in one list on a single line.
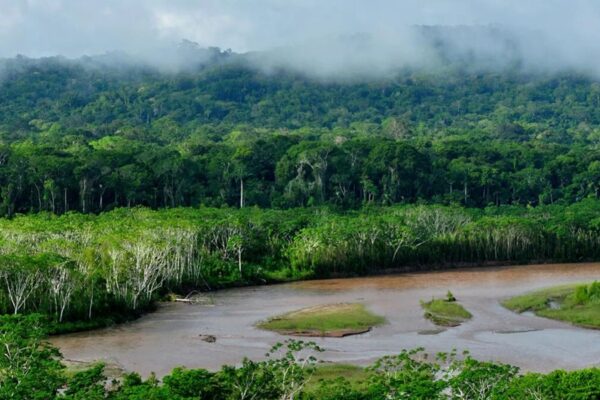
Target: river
[(169, 337)]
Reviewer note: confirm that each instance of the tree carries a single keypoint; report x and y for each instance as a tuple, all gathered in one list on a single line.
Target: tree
[(62, 282), (30, 369), (404, 377), (144, 270), (22, 275)]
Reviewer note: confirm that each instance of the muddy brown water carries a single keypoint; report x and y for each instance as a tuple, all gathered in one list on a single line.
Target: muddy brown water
[(170, 336)]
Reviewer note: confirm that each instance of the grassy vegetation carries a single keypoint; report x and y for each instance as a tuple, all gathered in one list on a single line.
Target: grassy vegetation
[(445, 312), (576, 304), (334, 320), (353, 374), (538, 300)]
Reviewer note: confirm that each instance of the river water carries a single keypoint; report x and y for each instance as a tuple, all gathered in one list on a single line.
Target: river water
[(169, 337)]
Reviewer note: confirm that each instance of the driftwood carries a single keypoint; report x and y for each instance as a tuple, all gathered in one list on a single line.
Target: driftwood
[(196, 298)]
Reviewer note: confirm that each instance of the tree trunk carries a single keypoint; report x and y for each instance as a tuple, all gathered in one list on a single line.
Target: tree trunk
[(53, 201), (91, 302), (62, 311), (242, 193), (83, 194), (101, 203), (39, 196)]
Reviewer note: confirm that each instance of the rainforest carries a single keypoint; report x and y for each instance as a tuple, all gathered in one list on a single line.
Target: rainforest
[(206, 205), (88, 138)]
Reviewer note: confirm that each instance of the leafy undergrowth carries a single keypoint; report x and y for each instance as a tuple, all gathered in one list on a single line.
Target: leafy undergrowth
[(33, 369), (334, 320), (353, 375), (576, 304), (445, 312)]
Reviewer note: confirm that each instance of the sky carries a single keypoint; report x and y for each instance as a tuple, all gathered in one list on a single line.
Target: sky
[(312, 33)]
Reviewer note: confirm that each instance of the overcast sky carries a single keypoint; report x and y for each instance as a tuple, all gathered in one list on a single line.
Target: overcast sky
[(565, 32)]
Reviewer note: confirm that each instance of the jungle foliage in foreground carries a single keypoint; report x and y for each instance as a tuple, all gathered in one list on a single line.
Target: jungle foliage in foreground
[(577, 304), (78, 267), (32, 370), (81, 135)]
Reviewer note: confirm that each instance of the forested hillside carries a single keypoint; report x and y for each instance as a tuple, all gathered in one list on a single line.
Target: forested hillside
[(94, 134)]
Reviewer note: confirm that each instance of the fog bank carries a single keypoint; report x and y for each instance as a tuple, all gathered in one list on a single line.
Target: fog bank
[(321, 38)]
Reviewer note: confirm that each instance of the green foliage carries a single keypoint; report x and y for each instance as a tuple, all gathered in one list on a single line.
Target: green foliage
[(577, 304), (572, 385), (78, 137), (88, 384), (87, 271), (92, 138), (332, 319), (472, 379), (335, 389), (445, 312), (334, 377), (586, 294), (195, 383), (29, 368), (404, 377)]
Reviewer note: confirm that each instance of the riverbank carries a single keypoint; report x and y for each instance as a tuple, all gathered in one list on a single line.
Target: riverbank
[(578, 304)]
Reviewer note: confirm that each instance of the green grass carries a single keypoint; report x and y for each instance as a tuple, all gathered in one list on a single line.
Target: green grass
[(355, 375), (325, 320), (561, 303), (538, 300), (445, 313), (110, 370)]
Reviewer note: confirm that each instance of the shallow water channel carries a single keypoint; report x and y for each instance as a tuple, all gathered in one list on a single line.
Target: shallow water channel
[(170, 336)]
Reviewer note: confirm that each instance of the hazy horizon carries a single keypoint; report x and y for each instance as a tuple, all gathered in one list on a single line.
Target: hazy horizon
[(319, 38)]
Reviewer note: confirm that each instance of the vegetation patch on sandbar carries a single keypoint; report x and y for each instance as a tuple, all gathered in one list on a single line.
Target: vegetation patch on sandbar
[(332, 320), (577, 304), (445, 312)]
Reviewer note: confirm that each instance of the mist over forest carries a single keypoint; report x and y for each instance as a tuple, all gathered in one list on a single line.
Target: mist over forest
[(328, 40), (156, 152)]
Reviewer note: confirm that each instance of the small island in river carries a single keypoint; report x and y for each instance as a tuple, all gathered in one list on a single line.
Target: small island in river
[(330, 320)]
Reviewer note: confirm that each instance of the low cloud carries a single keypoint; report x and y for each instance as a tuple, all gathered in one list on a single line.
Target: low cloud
[(321, 38)]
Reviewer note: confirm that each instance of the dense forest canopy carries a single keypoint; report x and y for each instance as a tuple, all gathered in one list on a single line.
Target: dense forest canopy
[(76, 267), (102, 132)]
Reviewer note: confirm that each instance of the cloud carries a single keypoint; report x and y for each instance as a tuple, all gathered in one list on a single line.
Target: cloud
[(322, 37)]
